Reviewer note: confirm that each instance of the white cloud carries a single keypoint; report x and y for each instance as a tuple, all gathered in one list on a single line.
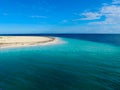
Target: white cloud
[(90, 16), (110, 9), (37, 16), (110, 12), (116, 2)]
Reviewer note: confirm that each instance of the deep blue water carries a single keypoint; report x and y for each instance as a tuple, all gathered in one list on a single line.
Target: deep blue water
[(82, 62)]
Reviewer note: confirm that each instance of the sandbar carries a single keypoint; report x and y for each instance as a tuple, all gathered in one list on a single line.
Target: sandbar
[(22, 41)]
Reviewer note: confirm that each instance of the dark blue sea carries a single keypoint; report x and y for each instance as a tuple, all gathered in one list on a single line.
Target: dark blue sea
[(82, 62)]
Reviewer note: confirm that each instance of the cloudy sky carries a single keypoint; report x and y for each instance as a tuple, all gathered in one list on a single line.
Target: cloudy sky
[(59, 16)]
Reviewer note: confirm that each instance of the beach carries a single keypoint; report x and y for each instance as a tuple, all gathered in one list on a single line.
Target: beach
[(22, 41)]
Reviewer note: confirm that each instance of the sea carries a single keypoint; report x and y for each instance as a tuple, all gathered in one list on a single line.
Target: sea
[(81, 62)]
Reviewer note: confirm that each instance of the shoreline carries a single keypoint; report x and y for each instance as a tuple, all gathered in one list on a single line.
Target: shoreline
[(27, 41)]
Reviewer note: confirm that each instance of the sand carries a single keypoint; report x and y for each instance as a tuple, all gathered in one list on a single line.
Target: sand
[(20, 41)]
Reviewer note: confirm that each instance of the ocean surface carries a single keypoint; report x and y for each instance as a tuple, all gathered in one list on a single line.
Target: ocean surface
[(82, 62)]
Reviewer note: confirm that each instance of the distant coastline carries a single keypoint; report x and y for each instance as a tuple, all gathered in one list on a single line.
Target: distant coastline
[(23, 41)]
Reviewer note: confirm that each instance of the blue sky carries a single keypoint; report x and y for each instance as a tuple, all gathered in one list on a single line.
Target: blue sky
[(59, 16)]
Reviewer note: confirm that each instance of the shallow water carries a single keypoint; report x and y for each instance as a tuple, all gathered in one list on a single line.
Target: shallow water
[(74, 65)]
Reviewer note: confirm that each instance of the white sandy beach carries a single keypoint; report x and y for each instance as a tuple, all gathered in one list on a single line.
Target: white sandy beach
[(20, 41)]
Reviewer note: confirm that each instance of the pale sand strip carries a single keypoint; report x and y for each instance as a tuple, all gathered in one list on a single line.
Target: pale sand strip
[(22, 41)]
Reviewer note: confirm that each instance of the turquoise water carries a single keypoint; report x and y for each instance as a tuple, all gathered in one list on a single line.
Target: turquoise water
[(73, 65)]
